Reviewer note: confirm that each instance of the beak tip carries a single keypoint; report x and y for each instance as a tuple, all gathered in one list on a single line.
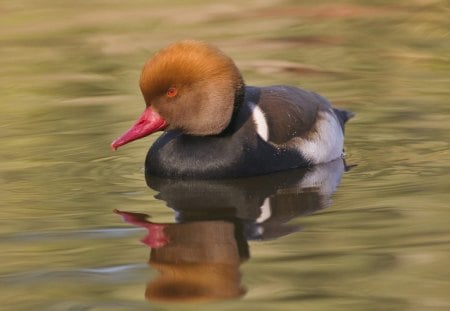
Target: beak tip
[(114, 146)]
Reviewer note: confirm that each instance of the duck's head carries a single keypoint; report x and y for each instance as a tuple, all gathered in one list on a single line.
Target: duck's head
[(189, 86)]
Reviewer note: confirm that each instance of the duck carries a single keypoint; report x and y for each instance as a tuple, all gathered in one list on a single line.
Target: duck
[(215, 126)]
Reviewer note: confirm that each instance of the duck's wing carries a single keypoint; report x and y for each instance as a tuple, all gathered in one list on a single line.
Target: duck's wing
[(290, 112)]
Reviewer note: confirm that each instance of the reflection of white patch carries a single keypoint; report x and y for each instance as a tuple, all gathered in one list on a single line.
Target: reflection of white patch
[(266, 211), (326, 143), (324, 177), (260, 121), (259, 231)]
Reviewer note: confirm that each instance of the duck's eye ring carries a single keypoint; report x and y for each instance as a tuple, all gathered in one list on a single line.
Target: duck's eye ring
[(171, 91)]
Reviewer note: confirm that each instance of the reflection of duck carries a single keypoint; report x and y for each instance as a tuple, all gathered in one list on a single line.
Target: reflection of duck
[(217, 127), (198, 257), (195, 260), (264, 204)]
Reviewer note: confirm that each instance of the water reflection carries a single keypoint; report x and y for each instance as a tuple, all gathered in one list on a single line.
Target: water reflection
[(199, 256)]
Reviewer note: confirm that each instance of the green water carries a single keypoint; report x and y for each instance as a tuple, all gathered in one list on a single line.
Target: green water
[(68, 87)]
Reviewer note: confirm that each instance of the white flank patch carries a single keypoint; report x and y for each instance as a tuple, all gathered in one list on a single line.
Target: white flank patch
[(266, 212), (260, 121), (326, 144)]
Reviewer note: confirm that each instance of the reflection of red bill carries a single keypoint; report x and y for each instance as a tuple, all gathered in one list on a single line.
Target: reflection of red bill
[(156, 237)]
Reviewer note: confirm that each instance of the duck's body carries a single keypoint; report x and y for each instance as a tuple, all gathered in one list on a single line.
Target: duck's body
[(218, 128), (256, 142)]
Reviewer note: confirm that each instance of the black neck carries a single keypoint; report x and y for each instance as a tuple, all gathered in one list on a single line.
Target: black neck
[(239, 98)]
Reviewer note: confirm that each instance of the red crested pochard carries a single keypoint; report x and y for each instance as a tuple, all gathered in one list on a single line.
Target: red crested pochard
[(217, 127)]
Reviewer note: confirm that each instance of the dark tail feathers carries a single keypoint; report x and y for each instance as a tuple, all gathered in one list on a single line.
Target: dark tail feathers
[(343, 116)]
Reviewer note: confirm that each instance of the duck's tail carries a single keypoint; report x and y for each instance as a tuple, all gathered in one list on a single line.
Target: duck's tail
[(343, 116)]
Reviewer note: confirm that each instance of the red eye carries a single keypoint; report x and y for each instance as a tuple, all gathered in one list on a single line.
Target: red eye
[(171, 92)]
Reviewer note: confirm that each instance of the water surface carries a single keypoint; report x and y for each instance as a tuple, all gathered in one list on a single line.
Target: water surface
[(373, 238)]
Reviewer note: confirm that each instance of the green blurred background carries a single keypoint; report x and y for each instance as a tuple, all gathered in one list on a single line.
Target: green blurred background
[(68, 87)]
